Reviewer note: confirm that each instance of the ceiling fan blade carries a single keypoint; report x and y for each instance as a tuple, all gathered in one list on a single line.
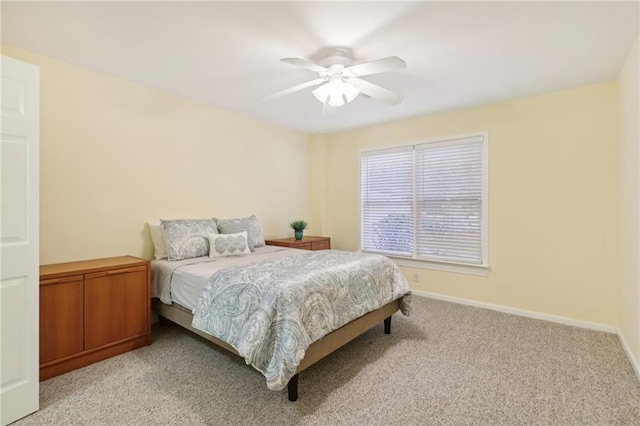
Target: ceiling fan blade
[(328, 109), (391, 63), (295, 88), (304, 64), (376, 91)]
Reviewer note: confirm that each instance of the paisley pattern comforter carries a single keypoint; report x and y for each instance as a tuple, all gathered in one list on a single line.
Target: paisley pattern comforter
[(271, 311)]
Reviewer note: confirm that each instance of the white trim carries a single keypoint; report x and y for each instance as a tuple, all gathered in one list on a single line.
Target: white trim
[(446, 141), (520, 312), (413, 142), (414, 182), (485, 200), (634, 362), (393, 150), (461, 268)]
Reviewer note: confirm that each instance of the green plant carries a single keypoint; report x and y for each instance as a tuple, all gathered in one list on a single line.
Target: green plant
[(298, 225)]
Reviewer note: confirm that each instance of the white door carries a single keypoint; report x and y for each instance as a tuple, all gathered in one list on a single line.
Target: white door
[(19, 229)]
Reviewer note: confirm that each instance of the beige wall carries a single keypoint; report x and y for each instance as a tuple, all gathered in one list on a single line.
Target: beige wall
[(630, 203), (317, 184), (115, 154), (553, 200)]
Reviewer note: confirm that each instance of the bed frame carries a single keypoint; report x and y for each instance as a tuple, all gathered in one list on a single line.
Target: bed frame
[(316, 351)]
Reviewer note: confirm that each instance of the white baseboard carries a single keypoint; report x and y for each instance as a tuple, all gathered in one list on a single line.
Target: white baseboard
[(634, 362), (520, 312)]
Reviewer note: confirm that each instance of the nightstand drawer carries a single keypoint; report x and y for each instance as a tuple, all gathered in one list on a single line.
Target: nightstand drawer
[(306, 243), (321, 245)]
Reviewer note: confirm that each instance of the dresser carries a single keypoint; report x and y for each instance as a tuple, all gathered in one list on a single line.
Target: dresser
[(92, 310), (306, 243)]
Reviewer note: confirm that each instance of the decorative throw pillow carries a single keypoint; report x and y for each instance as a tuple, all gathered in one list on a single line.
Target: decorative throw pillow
[(228, 244), (249, 224), (187, 238), (157, 236)]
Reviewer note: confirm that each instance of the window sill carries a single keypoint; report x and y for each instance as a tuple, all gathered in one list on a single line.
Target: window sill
[(460, 268)]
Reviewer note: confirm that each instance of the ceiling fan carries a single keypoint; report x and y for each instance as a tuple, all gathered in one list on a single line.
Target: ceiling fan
[(339, 81)]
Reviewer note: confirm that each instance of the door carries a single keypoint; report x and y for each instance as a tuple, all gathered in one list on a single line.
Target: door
[(19, 265)]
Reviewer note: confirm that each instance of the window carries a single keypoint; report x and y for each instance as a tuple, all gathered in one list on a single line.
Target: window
[(426, 202)]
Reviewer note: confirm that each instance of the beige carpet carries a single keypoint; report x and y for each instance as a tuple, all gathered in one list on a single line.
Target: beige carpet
[(446, 364)]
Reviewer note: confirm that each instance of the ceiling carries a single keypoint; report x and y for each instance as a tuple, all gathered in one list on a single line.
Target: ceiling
[(227, 53)]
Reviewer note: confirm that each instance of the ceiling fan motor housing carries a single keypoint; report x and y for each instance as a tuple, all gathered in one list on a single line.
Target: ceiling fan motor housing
[(339, 57)]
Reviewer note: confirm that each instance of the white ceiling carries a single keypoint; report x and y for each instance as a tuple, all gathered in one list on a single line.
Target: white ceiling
[(227, 53)]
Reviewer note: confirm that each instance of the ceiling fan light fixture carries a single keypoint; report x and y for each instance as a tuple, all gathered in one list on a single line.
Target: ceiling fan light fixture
[(350, 92), (321, 92), (337, 91)]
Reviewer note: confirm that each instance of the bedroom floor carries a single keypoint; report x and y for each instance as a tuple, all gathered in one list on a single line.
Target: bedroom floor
[(446, 364)]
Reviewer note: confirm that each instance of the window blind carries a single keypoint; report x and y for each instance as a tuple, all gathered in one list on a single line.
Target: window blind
[(449, 202), (387, 201), (425, 201)]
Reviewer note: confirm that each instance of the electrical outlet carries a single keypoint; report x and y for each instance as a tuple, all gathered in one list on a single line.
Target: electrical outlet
[(416, 277)]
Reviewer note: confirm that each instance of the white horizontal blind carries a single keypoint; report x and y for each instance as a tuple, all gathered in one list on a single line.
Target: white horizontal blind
[(449, 201), (426, 202), (387, 201)]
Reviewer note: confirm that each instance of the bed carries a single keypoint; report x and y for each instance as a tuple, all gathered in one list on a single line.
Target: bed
[(281, 309)]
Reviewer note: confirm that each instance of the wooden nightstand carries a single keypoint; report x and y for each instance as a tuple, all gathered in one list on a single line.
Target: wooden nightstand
[(306, 243)]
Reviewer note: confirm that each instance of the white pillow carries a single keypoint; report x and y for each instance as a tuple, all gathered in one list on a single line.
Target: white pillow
[(157, 236), (221, 245)]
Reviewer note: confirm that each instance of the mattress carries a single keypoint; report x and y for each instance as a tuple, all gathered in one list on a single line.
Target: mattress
[(182, 281)]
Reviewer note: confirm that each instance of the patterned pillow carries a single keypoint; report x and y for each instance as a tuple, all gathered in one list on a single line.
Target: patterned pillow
[(228, 244), (249, 224), (187, 238)]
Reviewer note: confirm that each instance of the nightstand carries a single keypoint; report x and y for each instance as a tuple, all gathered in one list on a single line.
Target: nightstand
[(306, 243)]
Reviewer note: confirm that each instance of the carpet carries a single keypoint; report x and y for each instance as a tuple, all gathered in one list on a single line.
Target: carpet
[(446, 364)]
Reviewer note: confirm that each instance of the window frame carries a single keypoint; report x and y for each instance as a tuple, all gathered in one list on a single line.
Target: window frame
[(413, 261)]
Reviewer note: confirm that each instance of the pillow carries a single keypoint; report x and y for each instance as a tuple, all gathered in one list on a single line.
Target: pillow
[(249, 224), (157, 236), (187, 238), (228, 244)]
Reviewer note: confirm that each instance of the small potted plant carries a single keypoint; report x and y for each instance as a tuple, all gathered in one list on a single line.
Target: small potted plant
[(298, 226)]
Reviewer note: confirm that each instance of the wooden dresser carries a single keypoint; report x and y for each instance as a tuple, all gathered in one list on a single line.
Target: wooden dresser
[(306, 243), (92, 310)]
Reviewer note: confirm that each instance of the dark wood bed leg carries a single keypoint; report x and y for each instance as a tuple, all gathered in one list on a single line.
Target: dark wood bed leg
[(292, 387), (387, 325)]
